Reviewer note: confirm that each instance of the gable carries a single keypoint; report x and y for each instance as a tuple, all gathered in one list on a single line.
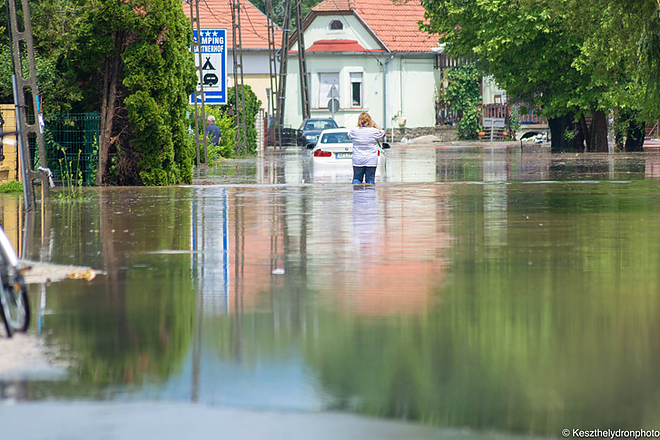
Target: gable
[(394, 23), (319, 32)]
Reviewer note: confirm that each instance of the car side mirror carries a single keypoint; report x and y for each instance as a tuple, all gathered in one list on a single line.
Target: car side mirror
[(386, 146)]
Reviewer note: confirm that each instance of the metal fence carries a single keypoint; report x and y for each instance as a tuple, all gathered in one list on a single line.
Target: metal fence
[(72, 142)]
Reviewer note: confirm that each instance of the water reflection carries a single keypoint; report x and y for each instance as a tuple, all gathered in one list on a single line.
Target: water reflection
[(492, 304), (426, 164), (365, 219)]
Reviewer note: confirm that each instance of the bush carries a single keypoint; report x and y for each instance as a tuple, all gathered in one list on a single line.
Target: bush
[(252, 105), (464, 95), (227, 147), (11, 187)]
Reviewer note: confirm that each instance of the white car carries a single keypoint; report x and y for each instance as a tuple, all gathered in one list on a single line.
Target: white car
[(334, 147)]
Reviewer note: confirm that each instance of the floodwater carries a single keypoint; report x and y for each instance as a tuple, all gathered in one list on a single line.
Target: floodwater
[(486, 289)]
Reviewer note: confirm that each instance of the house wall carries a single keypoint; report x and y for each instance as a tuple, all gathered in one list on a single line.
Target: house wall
[(409, 87), (344, 65), (418, 78), (256, 73), (258, 83), (492, 93), (9, 166)]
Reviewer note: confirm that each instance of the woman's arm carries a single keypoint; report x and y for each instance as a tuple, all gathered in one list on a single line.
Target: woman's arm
[(381, 135)]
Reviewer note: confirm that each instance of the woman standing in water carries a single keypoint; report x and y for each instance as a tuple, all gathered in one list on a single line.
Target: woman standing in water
[(365, 149)]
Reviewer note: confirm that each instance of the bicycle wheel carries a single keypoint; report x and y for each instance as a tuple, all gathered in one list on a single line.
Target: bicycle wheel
[(3, 300), (15, 306)]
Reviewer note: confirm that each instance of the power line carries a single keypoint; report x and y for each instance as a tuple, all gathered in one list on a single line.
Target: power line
[(219, 20), (252, 25)]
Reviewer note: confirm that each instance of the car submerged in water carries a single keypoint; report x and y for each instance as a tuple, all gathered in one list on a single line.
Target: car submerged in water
[(332, 156), (311, 129)]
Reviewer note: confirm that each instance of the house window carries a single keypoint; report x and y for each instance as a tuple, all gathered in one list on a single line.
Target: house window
[(336, 25), (328, 88), (356, 89)]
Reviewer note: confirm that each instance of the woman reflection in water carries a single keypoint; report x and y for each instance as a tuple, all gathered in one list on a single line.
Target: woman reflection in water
[(365, 149)]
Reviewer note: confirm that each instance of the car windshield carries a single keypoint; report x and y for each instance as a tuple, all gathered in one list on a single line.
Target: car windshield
[(320, 125), (335, 138)]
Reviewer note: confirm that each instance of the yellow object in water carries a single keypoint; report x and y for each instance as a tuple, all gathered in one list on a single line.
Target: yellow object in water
[(88, 275)]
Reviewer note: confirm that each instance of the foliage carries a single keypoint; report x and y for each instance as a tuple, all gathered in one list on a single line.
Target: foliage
[(13, 186), (569, 58), (252, 105), (76, 42), (523, 47), (154, 76), (278, 10), (620, 45), (514, 123), (72, 177), (227, 124), (159, 76), (53, 24), (464, 94)]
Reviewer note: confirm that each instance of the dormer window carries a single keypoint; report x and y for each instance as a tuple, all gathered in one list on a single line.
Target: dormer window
[(336, 25)]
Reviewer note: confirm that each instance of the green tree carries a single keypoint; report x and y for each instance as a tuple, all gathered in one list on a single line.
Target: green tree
[(464, 94), (278, 9), (527, 49), (571, 58), (135, 59), (131, 60), (621, 46), (53, 25)]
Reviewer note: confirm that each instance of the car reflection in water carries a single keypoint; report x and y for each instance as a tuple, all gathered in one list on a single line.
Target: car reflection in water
[(332, 157)]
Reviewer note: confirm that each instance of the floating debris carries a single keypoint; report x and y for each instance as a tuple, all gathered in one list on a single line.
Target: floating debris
[(88, 275)]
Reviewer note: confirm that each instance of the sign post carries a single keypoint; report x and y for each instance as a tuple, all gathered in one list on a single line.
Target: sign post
[(214, 66), (333, 103)]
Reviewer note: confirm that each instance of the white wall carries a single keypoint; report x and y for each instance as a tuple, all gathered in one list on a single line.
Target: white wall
[(418, 80), (406, 82), (253, 62), (491, 90), (410, 84)]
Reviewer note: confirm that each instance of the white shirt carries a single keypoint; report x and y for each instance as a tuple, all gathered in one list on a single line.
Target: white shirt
[(365, 145)]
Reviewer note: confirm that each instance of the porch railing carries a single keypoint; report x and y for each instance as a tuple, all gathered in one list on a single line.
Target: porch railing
[(445, 114)]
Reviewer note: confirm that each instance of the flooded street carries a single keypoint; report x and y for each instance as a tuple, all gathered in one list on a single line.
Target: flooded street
[(484, 289)]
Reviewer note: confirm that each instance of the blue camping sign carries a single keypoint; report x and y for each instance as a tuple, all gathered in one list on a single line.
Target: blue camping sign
[(214, 66)]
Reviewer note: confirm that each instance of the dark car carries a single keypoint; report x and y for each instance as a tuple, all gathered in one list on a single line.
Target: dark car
[(311, 128)]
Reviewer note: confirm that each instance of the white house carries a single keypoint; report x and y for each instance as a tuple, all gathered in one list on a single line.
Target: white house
[(373, 55)]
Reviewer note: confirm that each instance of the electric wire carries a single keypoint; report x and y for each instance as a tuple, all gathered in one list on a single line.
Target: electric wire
[(228, 22)]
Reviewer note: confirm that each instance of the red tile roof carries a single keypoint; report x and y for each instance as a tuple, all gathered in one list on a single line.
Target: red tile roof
[(338, 46), (395, 23), (216, 14)]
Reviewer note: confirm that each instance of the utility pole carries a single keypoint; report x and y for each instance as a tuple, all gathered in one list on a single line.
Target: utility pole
[(302, 63), (25, 87), (198, 95), (284, 61), (276, 137), (284, 53), (239, 92)]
